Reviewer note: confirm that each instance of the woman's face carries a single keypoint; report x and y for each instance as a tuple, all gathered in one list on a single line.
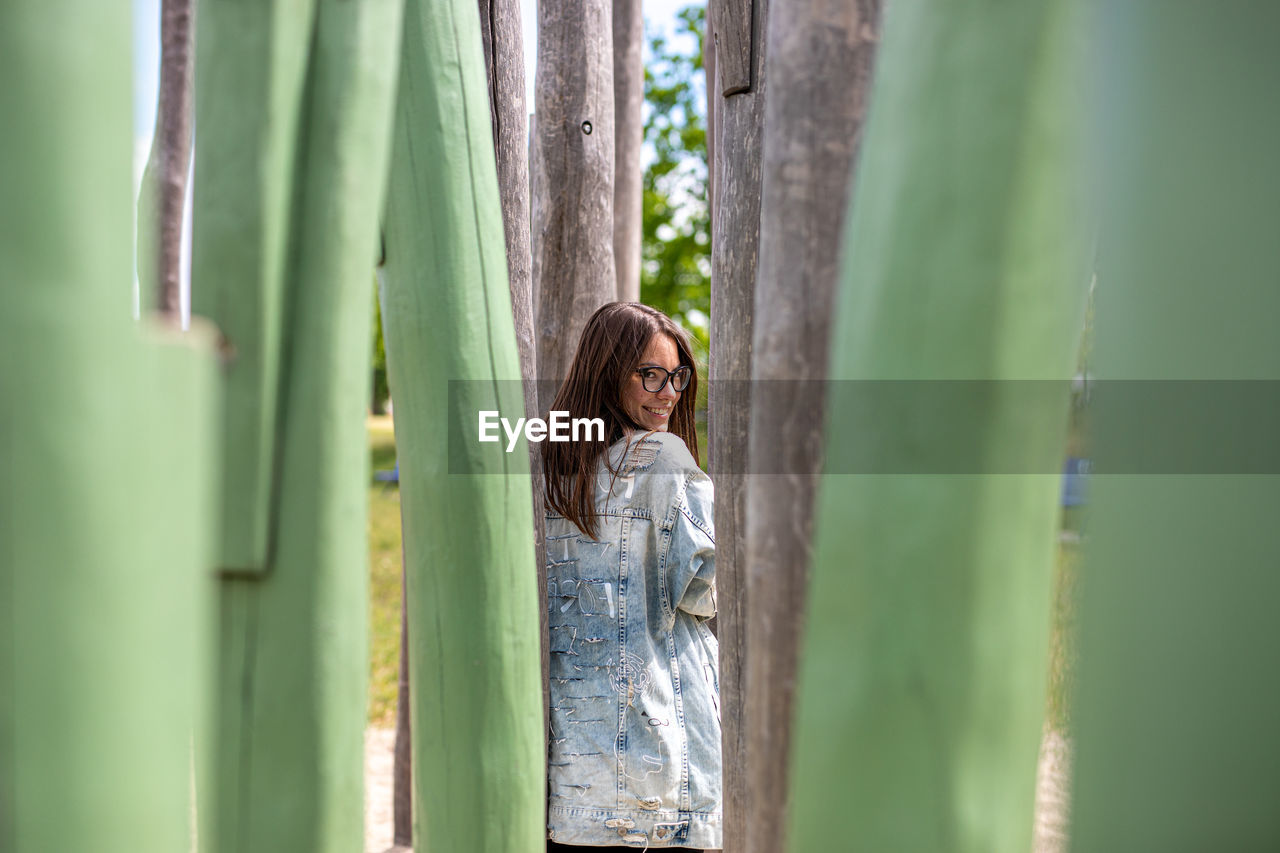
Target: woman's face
[(649, 409)]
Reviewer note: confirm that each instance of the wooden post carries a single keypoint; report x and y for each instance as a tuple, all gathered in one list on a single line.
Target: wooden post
[(106, 479), (502, 37), (737, 29), (251, 69), (921, 688), (628, 134), (735, 229), (473, 607), (504, 65), (574, 226), (810, 146), (402, 765), (1175, 717), (536, 203), (709, 70), (162, 199), (294, 666)]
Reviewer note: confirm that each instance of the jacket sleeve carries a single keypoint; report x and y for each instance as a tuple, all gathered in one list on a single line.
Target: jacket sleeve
[(692, 558)]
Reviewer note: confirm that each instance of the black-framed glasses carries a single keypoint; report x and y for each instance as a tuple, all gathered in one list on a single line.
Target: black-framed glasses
[(655, 379)]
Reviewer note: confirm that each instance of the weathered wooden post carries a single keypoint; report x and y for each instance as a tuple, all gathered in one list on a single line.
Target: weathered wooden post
[(1175, 718), (735, 152), (105, 476), (294, 110), (709, 75), (402, 761), (922, 680), (478, 764), (502, 37), (537, 202), (164, 182), (810, 143), (573, 225), (628, 135)]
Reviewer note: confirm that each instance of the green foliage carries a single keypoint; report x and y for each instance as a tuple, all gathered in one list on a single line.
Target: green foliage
[(675, 268), (379, 346), (381, 391)]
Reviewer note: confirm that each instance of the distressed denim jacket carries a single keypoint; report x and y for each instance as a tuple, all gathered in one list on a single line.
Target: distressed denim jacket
[(635, 694)]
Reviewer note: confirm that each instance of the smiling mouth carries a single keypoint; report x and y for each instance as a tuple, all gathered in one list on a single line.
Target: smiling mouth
[(660, 413)]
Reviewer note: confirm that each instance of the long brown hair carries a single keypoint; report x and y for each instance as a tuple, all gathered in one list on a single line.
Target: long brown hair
[(612, 344)]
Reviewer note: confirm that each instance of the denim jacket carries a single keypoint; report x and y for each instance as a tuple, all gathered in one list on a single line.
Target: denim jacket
[(635, 694)]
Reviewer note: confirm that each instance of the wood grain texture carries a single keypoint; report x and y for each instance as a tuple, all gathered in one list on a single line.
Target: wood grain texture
[(536, 203), (1174, 718), (479, 763), (738, 37), (294, 667), (709, 69), (810, 144), (504, 65), (922, 679), (402, 764), (502, 38), (628, 134), (574, 265), (162, 199), (734, 253), (251, 69)]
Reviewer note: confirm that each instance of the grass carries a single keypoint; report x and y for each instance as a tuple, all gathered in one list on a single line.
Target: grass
[(384, 577)]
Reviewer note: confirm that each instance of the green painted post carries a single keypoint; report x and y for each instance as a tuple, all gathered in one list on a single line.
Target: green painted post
[(922, 677), (251, 66), (478, 762), (105, 479), (1178, 700), (293, 662)]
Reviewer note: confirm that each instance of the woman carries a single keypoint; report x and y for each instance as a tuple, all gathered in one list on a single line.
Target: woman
[(635, 716)]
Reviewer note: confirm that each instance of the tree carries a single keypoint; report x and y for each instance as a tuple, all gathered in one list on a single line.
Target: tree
[(380, 391), (675, 273)]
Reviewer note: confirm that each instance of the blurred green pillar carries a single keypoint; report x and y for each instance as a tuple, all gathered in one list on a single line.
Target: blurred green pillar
[(251, 74), (478, 760), (922, 671), (105, 469), (1178, 698), (293, 666)]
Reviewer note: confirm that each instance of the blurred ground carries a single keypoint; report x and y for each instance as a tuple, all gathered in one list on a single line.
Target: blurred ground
[(379, 749)]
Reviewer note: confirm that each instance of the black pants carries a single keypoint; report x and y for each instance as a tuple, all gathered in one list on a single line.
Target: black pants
[(553, 847)]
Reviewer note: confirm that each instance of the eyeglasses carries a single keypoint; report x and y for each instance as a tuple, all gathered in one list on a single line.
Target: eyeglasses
[(655, 379)]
